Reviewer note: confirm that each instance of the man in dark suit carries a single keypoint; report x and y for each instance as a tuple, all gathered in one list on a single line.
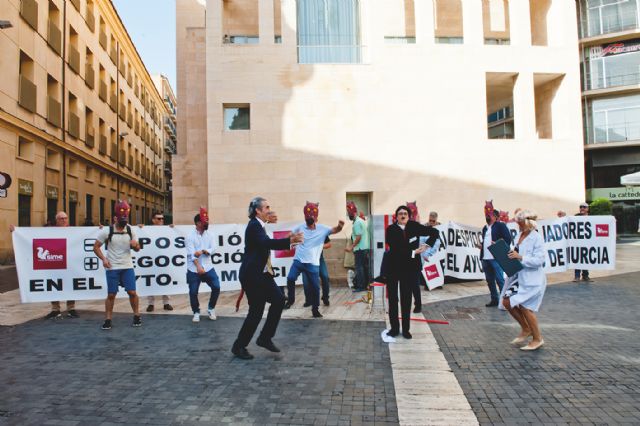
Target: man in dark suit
[(256, 278), (492, 270)]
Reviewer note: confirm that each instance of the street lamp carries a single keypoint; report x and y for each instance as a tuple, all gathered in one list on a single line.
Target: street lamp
[(5, 24)]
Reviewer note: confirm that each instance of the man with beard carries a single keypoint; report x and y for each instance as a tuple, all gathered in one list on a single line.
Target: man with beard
[(119, 239), (360, 247), (200, 247), (307, 258)]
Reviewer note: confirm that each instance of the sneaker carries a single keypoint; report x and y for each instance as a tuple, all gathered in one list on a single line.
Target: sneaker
[(106, 325), (137, 321), (212, 314), (53, 314), (150, 308), (168, 307), (72, 314), (196, 317)]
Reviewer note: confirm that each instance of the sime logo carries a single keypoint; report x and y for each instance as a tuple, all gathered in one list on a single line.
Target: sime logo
[(602, 230), (431, 271), (49, 253)]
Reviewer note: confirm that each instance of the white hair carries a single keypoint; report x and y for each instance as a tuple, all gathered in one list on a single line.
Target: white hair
[(528, 217)]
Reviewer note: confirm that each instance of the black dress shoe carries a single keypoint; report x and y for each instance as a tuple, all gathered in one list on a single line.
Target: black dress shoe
[(306, 304), (267, 344), (407, 335), (316, 313), (417, 309), (287, 305), (325, 302), (241, 353), (491, 304), (393, 333), (150, 308)]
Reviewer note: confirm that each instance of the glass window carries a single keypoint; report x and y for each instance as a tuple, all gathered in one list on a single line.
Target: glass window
[(613, 70), (608, 16), (237, 118), (615, 119), (328, 31), (24, 210)]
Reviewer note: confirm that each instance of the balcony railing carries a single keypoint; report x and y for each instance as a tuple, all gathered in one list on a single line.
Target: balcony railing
[(168, 124), (609, 24), (113, 154), (29, 12), (74, 125), (102, 38), (621, 133), (169, 146), (90, 137), (502, 129), (74, 59), (89, 76), (593, 82), (28, 93), (102, 91), (54, 112), (54, 37), (90, 20), (335, 54), (102, 148)]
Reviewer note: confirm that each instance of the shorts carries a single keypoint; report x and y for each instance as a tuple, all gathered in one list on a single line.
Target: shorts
[(120, 278)]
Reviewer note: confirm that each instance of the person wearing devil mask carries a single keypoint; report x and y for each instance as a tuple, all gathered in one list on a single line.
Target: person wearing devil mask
[(119, 239), (360, 247), (493, 231), (200, 246), (307, 258)]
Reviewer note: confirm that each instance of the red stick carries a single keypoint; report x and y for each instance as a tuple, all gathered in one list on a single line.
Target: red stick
[(430, 321)]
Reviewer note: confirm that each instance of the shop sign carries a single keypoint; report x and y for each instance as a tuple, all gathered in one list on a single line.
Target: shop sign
[(612, 49), (73, 196), (25, 187), (615, 194), (52, 192)]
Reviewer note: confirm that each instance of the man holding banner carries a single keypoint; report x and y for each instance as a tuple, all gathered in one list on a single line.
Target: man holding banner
[(119, 239)]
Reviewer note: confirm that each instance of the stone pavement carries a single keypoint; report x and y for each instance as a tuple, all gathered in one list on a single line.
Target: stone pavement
[(587, 372), (170, 371)]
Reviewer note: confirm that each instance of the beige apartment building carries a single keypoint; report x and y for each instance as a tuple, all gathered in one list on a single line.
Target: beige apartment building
[(81, 122), (169, 136), (445, 102)]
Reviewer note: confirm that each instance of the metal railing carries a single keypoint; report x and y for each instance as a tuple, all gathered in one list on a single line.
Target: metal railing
[(621, 133), (332, 54), (610, 24), (599, 81)]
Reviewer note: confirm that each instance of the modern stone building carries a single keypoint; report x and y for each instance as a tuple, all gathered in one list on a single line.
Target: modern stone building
[(169, 135), (610, 53), (445, 102), (81, 121)]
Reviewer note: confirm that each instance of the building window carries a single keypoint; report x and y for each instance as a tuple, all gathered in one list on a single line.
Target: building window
[(616, 64), (25, 149), (24, 210), (447, 21), (545, 89), (237, 117), (54, 159), (328, 31), (400, 22), (538, 11), (500, 121), (52, 209), (27, 89), (614, 119), (607, 16), (495, 19), (88, 210)]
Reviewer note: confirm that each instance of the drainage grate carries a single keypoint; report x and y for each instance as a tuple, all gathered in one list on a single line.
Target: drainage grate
[(468, 310), (457, 315)]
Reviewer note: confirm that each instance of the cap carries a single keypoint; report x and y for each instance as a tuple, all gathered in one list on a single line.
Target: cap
[(584, 205)]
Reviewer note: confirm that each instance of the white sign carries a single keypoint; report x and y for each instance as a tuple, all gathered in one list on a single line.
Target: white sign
[(55, 263)]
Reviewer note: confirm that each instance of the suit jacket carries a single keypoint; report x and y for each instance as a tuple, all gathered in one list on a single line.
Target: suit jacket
[(401, 243), (257, 249), (498, 230)]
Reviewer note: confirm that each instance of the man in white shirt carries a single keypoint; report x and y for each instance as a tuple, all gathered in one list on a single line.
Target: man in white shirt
[(200, 247), (307, 258), (119, 239), (158, 220)]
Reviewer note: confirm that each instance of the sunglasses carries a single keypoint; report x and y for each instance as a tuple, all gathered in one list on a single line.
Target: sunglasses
[(159, 218)]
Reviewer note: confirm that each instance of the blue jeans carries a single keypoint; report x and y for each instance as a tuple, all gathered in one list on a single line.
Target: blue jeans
[(362, 269), (194, 280), (494, 274), (310, 280), (120, 278), (324, 279)]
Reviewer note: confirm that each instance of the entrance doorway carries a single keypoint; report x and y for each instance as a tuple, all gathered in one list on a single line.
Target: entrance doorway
[(363, 203)]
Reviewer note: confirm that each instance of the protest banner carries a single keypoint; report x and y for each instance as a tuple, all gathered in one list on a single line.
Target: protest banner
[(55, 263)]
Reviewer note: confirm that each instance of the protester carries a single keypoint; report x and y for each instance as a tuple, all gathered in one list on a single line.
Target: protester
[(306, 261), (256, 279), (403, 265), (158, 220), (524, 291), (200, 246), (433, 219), (62, 219), (492, 232), (561, 213), (324, 273), (119, 239), (584, 211), (360, 247)]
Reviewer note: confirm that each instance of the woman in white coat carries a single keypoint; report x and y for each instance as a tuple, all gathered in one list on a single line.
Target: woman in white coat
[(523, 293)]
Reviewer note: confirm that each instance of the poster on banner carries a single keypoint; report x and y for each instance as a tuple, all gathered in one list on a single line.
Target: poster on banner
[(55, 263)]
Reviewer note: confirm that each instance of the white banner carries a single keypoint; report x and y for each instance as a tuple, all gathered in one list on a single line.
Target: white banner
[(571, 242), (59, 264)]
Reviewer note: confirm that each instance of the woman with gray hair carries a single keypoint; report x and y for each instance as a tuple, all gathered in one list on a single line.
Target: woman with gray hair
[(522, 294)]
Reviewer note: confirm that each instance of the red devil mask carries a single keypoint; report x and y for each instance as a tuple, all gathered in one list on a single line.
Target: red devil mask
[(310, 211), (414, 211), (122, 210), (204, 215), (488, 208), (352, 210)]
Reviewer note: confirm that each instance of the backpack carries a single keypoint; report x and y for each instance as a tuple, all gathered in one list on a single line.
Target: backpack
[(111, 232)]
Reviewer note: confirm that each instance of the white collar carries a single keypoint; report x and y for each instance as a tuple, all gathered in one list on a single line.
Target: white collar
[(261, 222)]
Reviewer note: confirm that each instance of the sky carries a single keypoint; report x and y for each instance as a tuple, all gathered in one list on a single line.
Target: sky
[(151, 24)]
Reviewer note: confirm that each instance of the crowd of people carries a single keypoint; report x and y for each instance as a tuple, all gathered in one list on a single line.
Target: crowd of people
[(409, 243)]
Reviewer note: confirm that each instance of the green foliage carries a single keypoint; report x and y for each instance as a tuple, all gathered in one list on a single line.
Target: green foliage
[(600, 207)]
